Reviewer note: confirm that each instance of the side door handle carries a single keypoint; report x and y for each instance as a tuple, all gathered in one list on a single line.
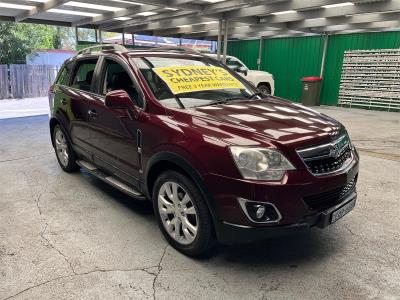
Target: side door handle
[(92, 113)]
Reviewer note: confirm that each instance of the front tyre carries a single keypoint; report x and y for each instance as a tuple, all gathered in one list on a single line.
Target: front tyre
[(265, 89), (65, 154), (182, 214)]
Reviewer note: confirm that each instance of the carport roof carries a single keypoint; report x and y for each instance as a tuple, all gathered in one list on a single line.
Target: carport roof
[(199, 19)]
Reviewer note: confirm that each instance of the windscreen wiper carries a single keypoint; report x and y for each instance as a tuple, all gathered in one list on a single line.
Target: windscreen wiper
[(179, 101), (256, 94), (214, 102)]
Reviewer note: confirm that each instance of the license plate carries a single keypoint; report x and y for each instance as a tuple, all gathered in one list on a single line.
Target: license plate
[(339, 213)]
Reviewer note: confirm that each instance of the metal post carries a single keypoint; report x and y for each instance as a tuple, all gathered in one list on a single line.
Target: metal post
[(123, 37), (100, 38), (219, 40), (259, 54), (133, 39), (76, 37), (324, 55), (225, 40), (96, 37), (180, 41)]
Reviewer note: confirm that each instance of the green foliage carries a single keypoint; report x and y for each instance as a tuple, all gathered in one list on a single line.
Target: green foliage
[(19, 39)]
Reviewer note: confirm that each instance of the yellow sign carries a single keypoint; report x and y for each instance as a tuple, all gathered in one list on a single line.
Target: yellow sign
[(185, 79)]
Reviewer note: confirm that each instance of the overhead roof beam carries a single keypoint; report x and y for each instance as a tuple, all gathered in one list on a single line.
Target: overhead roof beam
[(256, 35), (212, 10), (190, 18), (271, 34), (192, 28), (229, 10), (355, 19), (372, 25), (41, 7), (167, 24), (277, 7), (362, 8), (213, 33), (172, 3), (120, 13)]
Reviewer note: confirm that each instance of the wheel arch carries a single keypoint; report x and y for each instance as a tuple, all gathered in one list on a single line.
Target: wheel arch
[(163, 161), (265, 83), (52, 123)]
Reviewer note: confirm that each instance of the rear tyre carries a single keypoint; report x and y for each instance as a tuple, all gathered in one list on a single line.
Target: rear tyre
[(265, 89), (182, 214), (66, 156)]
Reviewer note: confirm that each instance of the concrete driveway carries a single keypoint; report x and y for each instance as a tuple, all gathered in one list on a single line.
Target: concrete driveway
[(70, 236), (26, 107)]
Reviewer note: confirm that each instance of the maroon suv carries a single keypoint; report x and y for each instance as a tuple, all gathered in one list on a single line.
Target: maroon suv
[(219, 160)]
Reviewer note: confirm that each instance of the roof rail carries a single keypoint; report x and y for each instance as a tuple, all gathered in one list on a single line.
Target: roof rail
[(176, 49), (103, 47)]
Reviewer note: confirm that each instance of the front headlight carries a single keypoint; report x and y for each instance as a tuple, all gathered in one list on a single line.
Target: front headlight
[(260, 163)]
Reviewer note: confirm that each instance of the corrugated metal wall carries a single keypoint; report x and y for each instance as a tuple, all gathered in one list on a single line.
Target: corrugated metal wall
[(289, 59), (334, 57), (246, 51)]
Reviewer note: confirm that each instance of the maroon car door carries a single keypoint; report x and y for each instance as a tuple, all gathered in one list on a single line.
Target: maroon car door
[(113, 132), (73, 97)]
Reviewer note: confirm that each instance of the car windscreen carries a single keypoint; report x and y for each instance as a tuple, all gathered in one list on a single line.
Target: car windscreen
[(191, 82)]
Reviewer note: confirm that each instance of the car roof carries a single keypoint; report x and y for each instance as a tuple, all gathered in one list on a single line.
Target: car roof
[(216, 55), (119, 50)]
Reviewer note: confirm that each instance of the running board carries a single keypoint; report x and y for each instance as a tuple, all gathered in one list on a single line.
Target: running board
[(92, 169)]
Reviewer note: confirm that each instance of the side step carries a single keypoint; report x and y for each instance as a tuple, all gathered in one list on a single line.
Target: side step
[(110, 180)]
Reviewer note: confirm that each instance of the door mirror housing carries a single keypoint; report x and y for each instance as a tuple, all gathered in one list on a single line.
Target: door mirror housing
[(118, 99), (242, 70)]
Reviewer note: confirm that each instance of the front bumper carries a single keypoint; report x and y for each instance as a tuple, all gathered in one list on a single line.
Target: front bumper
[(232, 225), (228, 233)]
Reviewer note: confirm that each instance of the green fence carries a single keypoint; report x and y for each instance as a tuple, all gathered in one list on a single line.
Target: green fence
[(290, 59), (298, 57), (246, 51)]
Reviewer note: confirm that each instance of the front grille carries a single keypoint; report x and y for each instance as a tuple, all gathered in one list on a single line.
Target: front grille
[(327, 158), (328, 164), (331, 198)]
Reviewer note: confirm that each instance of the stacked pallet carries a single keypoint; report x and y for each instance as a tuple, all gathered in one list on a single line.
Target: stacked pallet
[(371, 79)]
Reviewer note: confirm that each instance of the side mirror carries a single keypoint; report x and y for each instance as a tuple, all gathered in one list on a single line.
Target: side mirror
[(242, 70), (118, 99)]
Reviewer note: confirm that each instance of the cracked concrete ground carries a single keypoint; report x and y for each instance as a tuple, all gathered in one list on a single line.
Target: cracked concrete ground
[(69, 236)]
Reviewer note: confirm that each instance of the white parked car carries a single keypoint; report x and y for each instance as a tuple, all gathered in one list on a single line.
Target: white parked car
[(264, 81)]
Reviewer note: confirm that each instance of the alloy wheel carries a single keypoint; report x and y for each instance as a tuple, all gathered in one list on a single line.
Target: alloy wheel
[(178, 213), (61, 147)]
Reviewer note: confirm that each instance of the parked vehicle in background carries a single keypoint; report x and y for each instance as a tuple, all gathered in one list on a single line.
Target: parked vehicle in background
[(264, 81), (219, 160)]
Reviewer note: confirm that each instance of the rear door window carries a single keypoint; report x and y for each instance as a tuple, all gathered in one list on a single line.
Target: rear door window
[(83, 74)]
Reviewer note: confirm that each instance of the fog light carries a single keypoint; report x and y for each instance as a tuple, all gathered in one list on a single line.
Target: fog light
[(260, 212)]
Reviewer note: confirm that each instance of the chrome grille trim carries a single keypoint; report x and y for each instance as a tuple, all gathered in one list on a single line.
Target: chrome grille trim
[(330, 158)]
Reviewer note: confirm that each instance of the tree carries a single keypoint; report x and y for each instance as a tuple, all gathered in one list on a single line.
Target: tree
[(19, 39)]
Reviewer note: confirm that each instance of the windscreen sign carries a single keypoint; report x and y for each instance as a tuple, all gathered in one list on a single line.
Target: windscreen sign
[(186, 79)]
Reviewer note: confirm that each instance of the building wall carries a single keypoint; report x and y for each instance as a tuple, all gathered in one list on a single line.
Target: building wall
[(290, 59), (49, 57)]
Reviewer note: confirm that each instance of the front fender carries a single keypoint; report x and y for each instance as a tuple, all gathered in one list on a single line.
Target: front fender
[(189, 169)]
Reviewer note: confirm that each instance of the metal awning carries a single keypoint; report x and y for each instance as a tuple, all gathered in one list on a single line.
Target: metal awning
[(247, 19)]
